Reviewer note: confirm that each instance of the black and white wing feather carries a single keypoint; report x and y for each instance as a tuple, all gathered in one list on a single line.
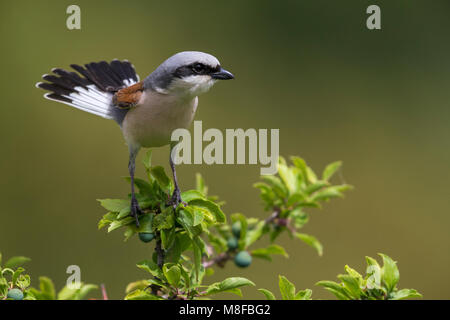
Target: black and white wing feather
[(92, 88)]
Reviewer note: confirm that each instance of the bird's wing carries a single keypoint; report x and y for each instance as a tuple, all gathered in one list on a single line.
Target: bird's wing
[(92, 88), (128, 97)]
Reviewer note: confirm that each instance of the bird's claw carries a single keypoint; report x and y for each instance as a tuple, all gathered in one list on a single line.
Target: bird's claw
[(175, 200)]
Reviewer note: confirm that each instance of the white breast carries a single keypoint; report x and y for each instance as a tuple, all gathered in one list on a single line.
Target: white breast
[(151, 123)]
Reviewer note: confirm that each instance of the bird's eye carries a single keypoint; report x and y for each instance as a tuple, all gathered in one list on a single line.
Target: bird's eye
[(198, 68)]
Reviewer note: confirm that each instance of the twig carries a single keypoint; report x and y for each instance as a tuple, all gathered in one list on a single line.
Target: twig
[(159, 252), (220, 260), (273, 216)]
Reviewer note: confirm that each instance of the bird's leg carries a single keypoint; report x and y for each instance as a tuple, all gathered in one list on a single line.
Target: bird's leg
[(135, 210), (176, 196)]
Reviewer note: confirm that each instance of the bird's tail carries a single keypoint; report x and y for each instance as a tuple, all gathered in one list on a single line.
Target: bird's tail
[(92, 88)]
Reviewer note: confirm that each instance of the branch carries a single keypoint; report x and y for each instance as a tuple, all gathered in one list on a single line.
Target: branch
[(220, 260), (273, 216), (159, 251)]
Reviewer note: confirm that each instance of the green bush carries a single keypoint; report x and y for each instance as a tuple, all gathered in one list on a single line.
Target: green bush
[(194, 238)]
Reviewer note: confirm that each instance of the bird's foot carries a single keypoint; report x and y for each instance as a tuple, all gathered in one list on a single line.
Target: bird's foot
[(175, 200), (135, 210)]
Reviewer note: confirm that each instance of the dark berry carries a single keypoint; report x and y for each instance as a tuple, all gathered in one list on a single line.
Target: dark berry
[(243, 259), (15, 294), (232, 243), (236, 229), (146, 236)]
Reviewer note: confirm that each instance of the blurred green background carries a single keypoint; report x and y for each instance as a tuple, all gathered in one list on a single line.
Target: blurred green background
[(378, 100)]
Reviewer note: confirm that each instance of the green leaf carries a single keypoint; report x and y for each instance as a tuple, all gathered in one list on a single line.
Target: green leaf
[(146, 223), (47, 288), (312, 241), (373, 272), (29, 296), (277, 186), (371, 262), (16, 261), (181, 244), (186, 278), (84, 290), (36, 294), (124, 213), (143, 186), (164, 220), (265, 253), (353, 273), (114, 205), (190, 195), (160, 176), (326, 194), (316, 186), (389, 273), (150, 267), (7, 270), (331, 169), (186, 219), (299, 217), (269, 295), (120, 223), (107, 219), (287, 176), (303, 295), (80, 293), (240, 218), (255, 233), (352, 285), (67, 293), (295, 198), (287, 289), (197, 247), (147, 159), (228, 284), (267, 195), (338, 290), (17, 274), (198, 216), (140, 284), (301, 165), (405, 294), (186, 214), (172, 274), (141, 295), (311, 176), (23, 281), (237, 292), (330, 192), (167, 238), (212, 207)]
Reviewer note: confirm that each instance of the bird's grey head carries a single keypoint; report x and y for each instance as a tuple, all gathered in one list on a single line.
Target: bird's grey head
[(187, 73)]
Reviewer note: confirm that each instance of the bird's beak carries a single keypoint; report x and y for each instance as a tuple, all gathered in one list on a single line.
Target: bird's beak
[(222, 74)]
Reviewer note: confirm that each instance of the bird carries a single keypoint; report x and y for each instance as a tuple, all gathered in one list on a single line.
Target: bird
[(147, 111)]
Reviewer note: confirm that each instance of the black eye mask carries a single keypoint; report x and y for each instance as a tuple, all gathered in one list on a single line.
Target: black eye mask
[(196, 68)]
